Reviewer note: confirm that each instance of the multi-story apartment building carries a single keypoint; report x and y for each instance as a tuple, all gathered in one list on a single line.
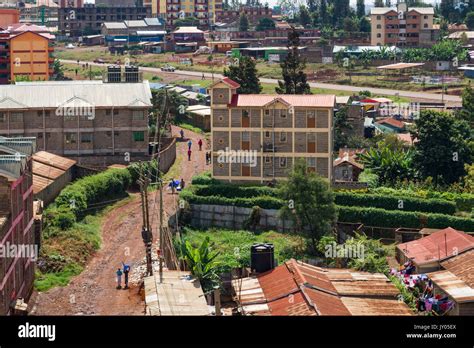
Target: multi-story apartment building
[(402, 26), (16, 222), (71, 3), (41, 12), (26, 52), (253, 13), (8, 16), (258, 137), (93, 122), (206, 11), (88, 20)]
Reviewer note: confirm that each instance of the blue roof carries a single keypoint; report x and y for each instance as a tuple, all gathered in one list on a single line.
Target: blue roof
[(154, 85)]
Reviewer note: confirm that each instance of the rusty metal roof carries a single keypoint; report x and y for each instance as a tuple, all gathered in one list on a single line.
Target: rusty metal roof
[(371, 306), (454, 286), (53, 160), (297, 288), (437, 246), (462, 266)]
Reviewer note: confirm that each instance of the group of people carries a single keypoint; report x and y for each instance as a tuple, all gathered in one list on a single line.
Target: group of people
[(190, 144), (125, 270)]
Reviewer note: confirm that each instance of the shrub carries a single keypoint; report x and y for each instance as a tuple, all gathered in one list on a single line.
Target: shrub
[(62, 218), (393, 203)]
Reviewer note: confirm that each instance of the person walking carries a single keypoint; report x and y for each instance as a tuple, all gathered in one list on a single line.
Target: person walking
[(126, 270), (182, 184), (119, 278), (189, 154), (181, 132), (200, 144), (190, 143), (171, 185)]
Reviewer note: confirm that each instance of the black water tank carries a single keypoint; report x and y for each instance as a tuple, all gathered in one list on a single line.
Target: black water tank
[(114, 73), (131, 74), (262, 257)]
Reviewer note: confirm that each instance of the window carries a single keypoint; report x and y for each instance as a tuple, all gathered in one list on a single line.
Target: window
[(283, 114), (86, 138), (245, 136), (267, 134), (268, 160), (138, 136), (3, 117), (379, 26), (70, 138), (39, 136), (425, 17), (413, 26), (425, 25), (283, 137), (379, 18), (16, 117), (282, 162), (138, 115), (379, 35), (245, 113), (311, 162), (267, 112), (108, 112)]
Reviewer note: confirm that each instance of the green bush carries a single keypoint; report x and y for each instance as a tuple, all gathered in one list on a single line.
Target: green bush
[(150, 168), (391, 218), (393, 202), (204, 179), (62, 218)]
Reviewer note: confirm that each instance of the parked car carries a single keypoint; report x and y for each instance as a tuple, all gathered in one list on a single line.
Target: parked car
[(168, 68), (99, 61)]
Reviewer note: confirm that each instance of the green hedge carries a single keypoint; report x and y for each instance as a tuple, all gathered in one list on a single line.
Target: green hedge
[(464, 201), (366, 215), (76, 198), (392, 203), (391, 218), (342, 198)]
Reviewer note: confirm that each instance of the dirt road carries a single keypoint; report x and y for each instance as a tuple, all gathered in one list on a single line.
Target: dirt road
[(93, 291)]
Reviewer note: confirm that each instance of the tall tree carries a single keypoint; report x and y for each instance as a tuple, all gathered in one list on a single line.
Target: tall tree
[(265, 24), (379, 3), (294, 77), (304, 16), (360, 8), (245, 73), (323, 13), (243, 22), (467, 111), (442, 147), (310, 202), (470, 20)]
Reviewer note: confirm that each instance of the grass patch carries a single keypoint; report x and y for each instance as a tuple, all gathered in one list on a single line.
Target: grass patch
[(234, 246)]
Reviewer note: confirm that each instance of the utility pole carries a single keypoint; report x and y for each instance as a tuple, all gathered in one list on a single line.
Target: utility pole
[(147, 235)]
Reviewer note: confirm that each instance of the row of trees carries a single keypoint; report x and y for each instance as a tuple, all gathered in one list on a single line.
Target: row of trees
[(443, 151), (293, 66)]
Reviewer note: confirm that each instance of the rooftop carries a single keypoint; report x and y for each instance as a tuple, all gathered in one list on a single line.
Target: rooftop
[(188, 30), (462, 266), (47, 167), (453, 286), (437, 246), (261, 100), (52, 94), (176, 294), (297, 288)]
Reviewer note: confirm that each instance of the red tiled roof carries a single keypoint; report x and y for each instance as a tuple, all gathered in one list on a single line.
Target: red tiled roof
[(260, 100), (437, 246), (230, 82), (392, 122)]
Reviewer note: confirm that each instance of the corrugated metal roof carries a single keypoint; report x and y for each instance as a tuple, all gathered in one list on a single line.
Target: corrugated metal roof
[(453, 286), (176, 294), (371, 306), (437, 246), (53, 160), (462, 266), (115, 25), (46, 171), (296, 288), (51, 94), (188, 30), (135, 23), (260, 100)]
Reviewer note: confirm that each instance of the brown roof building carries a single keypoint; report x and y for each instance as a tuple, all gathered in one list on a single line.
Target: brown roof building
[(297, 288)]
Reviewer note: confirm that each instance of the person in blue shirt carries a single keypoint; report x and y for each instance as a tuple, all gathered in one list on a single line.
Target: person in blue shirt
[(126, 270), (119, 278)]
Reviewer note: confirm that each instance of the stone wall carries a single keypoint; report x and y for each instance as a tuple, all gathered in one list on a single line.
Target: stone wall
[(206, 215)]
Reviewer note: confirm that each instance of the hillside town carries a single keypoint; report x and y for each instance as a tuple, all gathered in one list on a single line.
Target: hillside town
[(236, 158)]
